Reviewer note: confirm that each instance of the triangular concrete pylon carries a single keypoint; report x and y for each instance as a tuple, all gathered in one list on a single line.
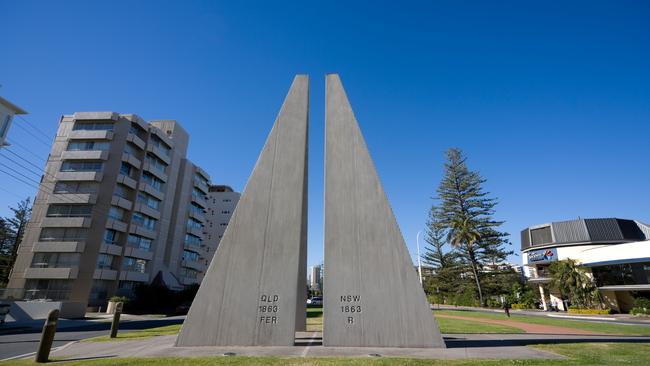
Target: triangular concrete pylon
[(254, 292), (372, 296)]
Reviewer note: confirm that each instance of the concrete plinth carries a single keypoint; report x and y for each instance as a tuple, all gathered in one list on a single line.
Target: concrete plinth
[(372, 295), (253, 293)]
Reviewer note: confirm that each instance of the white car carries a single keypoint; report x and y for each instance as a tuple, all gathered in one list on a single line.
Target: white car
[(315, 301)]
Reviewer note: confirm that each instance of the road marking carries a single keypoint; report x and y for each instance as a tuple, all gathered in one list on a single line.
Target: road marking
[(311, 341)]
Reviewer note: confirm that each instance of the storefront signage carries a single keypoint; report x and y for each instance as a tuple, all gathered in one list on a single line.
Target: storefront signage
[(542, 256)]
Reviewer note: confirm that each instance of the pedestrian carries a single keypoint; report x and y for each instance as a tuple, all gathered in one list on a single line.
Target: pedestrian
[(506, 308)]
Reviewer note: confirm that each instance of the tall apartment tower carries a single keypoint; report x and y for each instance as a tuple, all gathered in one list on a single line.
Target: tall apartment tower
[(222, 201), (107, 216)]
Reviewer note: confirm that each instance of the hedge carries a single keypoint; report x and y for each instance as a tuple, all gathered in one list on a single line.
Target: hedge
[(574, 310)]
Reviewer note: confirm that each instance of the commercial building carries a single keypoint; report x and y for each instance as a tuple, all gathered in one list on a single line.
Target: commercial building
[(7, 112), (615, 251), (119, 205), (315, 278)]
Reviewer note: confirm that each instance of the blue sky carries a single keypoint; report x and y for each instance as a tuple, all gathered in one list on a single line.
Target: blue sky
[(549, 100)]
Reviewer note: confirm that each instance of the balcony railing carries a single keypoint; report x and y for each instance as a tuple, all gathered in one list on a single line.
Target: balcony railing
[(34, 294)]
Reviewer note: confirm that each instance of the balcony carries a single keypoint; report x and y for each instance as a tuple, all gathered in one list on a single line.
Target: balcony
[(91, 134), (60, 246), (195, 231), (131, 137), (189, 281), (85, 155), (122, 202), (134, 276), (198, 266), (143, 208), (116, 225), (131, 160), (160, 153), (145, 187), (155, 171), (200, 200), (127, 181), (139, 230), (202, 186), (109, 248), (52, 273), (66, 222), (138, 253), (105, 274), (80, 176), (67, 198), (197, 215)]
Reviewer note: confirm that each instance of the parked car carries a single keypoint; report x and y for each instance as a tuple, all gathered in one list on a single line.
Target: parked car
[(315, 301)]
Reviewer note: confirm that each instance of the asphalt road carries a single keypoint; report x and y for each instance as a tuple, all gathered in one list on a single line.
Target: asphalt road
[(20, 342)]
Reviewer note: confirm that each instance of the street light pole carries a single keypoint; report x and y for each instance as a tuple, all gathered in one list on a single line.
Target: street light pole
[(417, 240)]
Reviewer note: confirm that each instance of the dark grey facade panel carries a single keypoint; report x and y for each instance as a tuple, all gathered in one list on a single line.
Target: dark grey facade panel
[(645, 229), (525, 239), (541, 235), (630, 230), (574, 231), (603, 229)]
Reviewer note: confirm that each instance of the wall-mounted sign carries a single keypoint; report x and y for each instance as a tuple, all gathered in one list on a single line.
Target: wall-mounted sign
[(542, 256)]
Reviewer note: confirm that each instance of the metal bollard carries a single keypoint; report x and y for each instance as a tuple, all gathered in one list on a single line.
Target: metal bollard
[(47, 337), (116, 319)]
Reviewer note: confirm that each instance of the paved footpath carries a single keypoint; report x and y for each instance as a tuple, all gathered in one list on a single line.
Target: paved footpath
[(526, 327)]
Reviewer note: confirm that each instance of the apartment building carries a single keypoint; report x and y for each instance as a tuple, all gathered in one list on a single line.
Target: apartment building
[(119, 205), (222, 201)]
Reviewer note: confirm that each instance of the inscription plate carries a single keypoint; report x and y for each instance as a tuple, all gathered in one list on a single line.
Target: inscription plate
[(350, 306), (268, 308)]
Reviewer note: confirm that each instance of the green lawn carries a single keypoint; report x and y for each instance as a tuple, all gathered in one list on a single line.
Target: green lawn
[(448, 326), (586, 354), (138, 334), (567, 323), (315, 319)]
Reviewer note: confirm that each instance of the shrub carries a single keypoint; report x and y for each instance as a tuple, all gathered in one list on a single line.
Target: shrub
[(522, 306), (122, 299), (641, 306), (576, 310)]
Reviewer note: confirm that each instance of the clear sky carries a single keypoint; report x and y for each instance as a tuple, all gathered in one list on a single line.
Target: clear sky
[(549, 100)]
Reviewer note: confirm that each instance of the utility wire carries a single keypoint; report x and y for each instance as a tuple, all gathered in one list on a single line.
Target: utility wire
[(38, 138), (14, 143), (34, 127), (27, 161), (12, 193)]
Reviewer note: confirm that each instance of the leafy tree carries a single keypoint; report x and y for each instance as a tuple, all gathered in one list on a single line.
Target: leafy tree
[(11, 234), (573, 283), (465, 213)]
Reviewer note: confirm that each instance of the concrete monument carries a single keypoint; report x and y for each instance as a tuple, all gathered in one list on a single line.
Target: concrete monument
[(372, 295), (254, 292)]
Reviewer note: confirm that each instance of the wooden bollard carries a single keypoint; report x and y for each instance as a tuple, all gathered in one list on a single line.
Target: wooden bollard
[(47, 337), (116, 319)]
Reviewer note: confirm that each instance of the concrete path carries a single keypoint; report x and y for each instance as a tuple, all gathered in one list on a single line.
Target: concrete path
[(163, 346), (526, 327)]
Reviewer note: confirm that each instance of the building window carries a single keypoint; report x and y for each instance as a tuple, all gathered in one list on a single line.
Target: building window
[(155, 162), (63, 234), (194, 224), (47, 289), (154, 182), (138, 131), (81, 166), (88, 146), (226, 200), (69, 210), (148, 200), (188, 273), (157, 142), (104, 261), (192, 240), (128, 170), (111, 237), (116, 213), (144, 221), (93, 126), (99, 291), (123, 191), (140, 242), (190, 256), (75, 187), (55, 260), (134, 264)]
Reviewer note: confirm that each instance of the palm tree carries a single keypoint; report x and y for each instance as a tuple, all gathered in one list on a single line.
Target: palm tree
[(573, 283), (463, 233)]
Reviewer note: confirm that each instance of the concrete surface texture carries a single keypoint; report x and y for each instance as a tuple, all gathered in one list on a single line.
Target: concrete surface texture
[(372, 294), (461, 346), (254, 291)]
